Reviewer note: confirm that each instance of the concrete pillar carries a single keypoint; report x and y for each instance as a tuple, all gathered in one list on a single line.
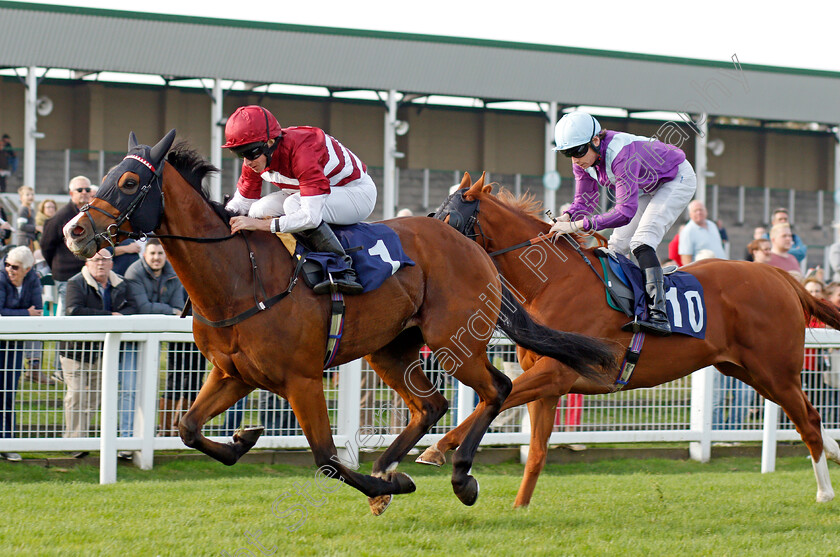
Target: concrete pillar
[(550, 176), (216, 139), (390, 157), (30, 127), (701, 165)]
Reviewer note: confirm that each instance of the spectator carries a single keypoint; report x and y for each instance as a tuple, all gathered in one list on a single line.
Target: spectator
[(759, 233), (25, 233), (126, 253), (798, 248), (781, 240), (20, 294), (95, 290), (832, 293), (60, 260), (834, 255), (8, 161), (724, 237), (674, 248), (46, 210), (156, 289), (759, 250), (700, 233), (816, 366)]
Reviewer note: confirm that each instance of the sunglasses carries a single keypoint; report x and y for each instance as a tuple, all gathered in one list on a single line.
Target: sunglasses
[(86, 190), (250, 152), (576, 152), (12, 267)]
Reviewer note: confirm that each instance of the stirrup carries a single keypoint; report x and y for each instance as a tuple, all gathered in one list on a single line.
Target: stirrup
[(340, 284), (656, 328), (632, 326)]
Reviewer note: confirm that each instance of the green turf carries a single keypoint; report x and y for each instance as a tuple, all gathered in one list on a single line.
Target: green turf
[(619, 507)]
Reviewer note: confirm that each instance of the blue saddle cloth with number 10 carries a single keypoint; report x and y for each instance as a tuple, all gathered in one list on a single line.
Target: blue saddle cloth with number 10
[(375, 249), (683, 295)]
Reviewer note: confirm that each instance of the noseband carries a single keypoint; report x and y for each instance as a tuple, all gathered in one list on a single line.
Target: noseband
[(113, 231)]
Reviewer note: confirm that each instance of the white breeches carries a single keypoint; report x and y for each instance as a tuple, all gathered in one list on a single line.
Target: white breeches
[(344, 205), (656, 213)]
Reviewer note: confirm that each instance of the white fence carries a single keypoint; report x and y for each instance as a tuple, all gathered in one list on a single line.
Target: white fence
[(152, 371)]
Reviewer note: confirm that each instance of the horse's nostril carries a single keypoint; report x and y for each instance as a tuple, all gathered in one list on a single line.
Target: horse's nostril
[(77, 231)]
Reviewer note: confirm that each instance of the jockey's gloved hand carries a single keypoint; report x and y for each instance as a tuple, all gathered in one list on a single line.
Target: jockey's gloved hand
[(240, 204)]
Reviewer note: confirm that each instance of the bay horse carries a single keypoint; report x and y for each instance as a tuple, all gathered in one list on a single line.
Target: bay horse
[(451, 299), (755, 327)]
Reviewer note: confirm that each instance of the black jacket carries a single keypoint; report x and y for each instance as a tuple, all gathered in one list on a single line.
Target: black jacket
[(83, 298), (61, 260)]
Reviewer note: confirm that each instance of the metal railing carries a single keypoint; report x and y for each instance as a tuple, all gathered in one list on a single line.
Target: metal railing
[(146, 371)]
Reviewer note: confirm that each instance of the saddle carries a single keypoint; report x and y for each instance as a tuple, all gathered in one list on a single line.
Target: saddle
[(625, 292), (620, 295)]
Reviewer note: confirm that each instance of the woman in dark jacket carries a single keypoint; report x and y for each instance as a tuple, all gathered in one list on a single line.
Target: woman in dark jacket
[(20, 294)]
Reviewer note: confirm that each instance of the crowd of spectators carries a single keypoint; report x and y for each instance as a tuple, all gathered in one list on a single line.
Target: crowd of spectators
[(42, 277), (780, 247)]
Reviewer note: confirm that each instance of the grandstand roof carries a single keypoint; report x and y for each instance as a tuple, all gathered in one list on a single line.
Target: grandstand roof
[(340, 59)]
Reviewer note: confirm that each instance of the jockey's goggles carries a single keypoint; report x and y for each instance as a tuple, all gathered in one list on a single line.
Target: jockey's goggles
[(251, 151), (577, 151)]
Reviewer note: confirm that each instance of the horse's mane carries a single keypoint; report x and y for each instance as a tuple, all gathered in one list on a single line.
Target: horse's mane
[(527, 204), (194, 168)]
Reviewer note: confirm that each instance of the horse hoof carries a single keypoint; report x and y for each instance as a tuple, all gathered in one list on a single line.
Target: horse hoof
[(824, 496), (378, 505), (432, 456), (248, 436), (468, 494), (403, 482)]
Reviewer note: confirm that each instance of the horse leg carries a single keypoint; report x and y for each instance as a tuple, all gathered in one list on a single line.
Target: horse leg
[(541, 412), (217, 394), (399, 367), (546, 377), (785, 389), (306, 395), (492, 395)]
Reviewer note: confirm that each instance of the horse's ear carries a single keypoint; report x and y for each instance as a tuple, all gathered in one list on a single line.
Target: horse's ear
[(480, 187), (132, 141), (159, 151), (466, 181)]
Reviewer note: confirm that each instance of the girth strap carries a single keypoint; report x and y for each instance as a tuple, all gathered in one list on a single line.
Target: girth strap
[(336, 327), (631, 358), (261, 305)]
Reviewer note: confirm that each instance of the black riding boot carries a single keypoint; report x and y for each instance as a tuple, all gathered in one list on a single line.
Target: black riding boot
[(657, 321), (323, 239)]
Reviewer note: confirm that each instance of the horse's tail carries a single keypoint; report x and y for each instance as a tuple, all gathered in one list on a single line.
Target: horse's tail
[(814, 307), (589, 357)]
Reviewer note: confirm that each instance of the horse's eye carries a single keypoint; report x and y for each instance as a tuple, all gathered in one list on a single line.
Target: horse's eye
[(129, 183)]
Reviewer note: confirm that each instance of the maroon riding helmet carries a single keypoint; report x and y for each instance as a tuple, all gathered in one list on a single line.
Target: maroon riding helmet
[(248, 131)]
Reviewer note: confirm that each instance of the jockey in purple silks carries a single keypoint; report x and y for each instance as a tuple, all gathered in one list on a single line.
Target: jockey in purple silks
[(652, 183)]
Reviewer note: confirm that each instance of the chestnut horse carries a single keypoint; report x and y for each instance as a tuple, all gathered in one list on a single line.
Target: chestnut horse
[(755, 329), (261, 332)]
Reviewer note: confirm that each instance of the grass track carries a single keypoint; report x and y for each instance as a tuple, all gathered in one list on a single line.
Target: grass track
[(621, 507)]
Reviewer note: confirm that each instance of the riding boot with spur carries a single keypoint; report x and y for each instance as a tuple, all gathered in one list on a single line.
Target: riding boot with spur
[(657, 321), (323, 239)]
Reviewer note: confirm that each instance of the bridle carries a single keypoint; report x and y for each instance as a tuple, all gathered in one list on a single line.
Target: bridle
[(111, 193), (463, 217), (113, 232)]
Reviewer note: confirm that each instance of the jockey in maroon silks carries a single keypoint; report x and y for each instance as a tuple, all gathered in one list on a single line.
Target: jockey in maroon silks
[(320, 182)]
